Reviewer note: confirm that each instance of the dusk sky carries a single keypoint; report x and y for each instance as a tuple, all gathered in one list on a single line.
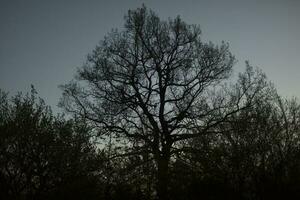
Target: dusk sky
[(43, 42)]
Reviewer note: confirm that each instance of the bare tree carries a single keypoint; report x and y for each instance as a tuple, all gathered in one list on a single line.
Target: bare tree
[(155, 84)]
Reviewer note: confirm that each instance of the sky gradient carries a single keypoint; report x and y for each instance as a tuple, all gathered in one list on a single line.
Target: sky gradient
[(43, 42)]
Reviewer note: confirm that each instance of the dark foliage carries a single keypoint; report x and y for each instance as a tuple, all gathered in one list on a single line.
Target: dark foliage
[(42, 155)]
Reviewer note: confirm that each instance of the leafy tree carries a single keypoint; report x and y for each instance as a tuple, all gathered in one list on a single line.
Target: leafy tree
[(42, 156), (256, 154), (217, 164), (154, 85)]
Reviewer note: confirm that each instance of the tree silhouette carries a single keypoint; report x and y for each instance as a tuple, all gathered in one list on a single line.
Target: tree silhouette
[(42, 156), (255, 156), (155, 84)]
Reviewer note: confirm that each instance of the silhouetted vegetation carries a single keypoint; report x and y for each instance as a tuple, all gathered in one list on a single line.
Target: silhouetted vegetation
[(153, 114), (43, 156)]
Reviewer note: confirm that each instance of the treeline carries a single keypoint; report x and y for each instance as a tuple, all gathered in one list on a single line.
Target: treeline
[(152, 114), (50, 157)]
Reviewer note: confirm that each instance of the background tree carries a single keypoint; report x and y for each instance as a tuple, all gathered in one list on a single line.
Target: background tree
[(217, 164), (42, 156), (154, 85), (254, 157)]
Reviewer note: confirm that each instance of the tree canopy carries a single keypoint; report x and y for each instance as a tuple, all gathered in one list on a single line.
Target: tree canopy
[(157, 84)]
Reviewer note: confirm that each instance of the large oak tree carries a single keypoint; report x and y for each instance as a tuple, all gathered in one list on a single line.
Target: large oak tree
[(156, 84)]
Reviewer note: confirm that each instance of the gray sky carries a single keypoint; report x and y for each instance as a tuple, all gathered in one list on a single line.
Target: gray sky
[(42, 42)]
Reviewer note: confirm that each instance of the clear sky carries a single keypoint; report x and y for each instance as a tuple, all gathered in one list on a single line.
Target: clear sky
[(42, 42)]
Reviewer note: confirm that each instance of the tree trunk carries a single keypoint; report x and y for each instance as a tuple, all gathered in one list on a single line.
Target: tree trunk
[(162, 177)]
